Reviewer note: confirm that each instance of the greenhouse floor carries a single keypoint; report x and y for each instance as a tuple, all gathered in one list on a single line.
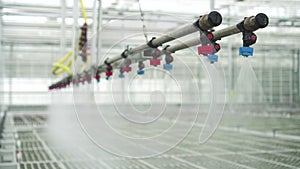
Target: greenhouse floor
[(264, 140)]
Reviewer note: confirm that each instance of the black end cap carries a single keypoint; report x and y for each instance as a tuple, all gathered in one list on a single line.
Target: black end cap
[(214, 18), (261, 20)]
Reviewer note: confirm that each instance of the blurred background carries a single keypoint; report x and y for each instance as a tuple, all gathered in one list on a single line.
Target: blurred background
[(259, 124)]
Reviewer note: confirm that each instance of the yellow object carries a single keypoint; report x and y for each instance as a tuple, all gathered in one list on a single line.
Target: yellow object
[(83, 11), (67, 56), (59, 67)]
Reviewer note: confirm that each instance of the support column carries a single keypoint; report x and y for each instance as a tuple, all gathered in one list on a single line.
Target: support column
[(99, 44), (230, 66), (75, 32), (281, 86), (63, 29), (10, 76), (298, 57), (2, 101), (96, 45), (230, 83), (296, 76)]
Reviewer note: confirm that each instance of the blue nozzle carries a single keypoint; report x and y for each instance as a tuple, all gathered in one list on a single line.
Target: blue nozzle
[(246, 51), (168, 66), (212, 58), (140, 72), (121, 75)]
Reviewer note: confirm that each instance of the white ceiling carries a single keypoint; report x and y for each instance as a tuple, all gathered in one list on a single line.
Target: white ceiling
[(32, 29)]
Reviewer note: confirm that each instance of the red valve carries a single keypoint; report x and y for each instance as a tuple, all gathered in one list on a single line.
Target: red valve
[(154, 62), (253, 37), (97, 77), (126, 69), (157, 52), (217, 47), (108, 73), (210, 36), (205, 50)]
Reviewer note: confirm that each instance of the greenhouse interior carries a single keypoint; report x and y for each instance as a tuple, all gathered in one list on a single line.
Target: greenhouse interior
[(147, 84)]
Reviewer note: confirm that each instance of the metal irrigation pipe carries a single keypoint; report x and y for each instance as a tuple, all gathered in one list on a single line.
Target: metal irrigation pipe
[(251, 23), (205, 22)]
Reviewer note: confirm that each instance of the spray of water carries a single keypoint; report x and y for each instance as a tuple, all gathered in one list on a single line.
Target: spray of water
[(65, 133), (247, 88)]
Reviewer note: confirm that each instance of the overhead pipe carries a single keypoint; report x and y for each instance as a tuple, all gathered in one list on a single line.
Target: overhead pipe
[(251, 23), (207, 22), (204, 23)]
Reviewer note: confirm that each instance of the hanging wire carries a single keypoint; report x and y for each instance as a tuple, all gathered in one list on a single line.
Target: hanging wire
[(142, 19)]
